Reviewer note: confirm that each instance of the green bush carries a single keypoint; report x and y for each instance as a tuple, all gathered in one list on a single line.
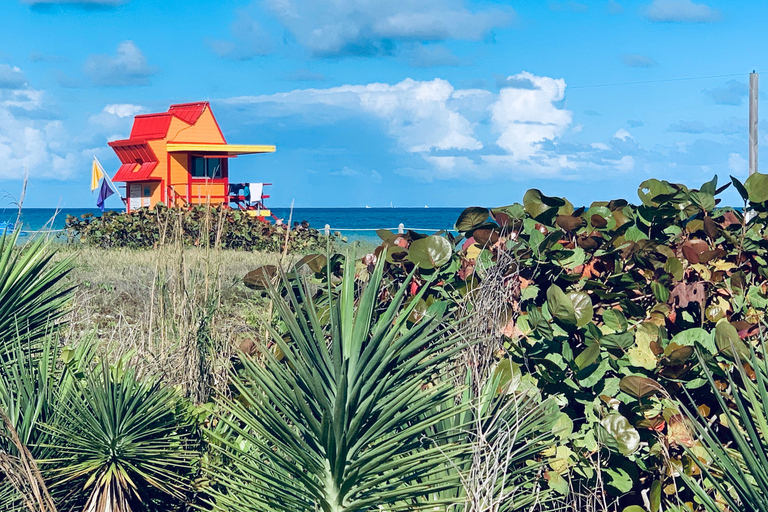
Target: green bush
[(199, 225), (602, 308)]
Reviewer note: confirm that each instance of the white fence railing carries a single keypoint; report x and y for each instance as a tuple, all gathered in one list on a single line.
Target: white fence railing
[(400, 229)]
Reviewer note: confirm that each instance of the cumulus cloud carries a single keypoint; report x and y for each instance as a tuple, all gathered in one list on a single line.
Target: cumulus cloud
[(635, 60), (731, 93), (351, 27), (623, 134), (525, 118), (681, 11), (11, 77), (29, 141), (249, 40), (444, 133), (124, 109), (419, 115), (127, 67)]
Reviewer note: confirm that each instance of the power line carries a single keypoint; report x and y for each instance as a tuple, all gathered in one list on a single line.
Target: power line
[(642, 82)]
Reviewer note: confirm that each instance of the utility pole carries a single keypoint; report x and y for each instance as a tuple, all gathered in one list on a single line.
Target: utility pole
[(752, 123)]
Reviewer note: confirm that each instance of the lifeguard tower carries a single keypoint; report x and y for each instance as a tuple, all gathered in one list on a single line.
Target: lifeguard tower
[(180, 157)]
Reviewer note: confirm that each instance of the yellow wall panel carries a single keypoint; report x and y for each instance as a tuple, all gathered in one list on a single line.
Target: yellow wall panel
[(204, 130)]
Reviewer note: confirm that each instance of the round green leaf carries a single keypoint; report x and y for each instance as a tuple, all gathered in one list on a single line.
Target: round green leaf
[(757, 187), (588, 356), (472, 217), (430, 252), (627, 438), (561, 306), (727, 339), (582, 306)]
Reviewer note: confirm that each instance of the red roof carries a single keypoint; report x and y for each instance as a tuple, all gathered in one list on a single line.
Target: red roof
[(126, 172), (151, 126), (188, 112)]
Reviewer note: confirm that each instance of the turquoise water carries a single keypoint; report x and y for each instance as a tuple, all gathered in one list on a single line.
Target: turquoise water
[(354, 223)]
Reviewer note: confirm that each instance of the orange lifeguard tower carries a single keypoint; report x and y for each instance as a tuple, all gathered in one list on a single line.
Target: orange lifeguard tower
[(180, 157)]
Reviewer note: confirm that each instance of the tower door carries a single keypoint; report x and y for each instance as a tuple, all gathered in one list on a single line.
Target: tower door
[(134, 193)]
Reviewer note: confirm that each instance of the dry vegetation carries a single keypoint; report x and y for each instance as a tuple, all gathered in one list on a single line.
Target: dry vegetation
[(173, 311)]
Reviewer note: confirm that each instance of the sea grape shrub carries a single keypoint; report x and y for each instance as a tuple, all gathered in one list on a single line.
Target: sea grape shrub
[(607, 305), (195, 226), (611, 302)]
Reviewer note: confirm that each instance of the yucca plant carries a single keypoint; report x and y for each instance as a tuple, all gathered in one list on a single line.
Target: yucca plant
[(29, 379), (31, 294), (121, 444), (737, 474), (343, 419)]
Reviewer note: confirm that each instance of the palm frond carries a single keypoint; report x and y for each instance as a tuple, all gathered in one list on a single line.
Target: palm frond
[(738, 472), (31, 294), (342, 421), (120, 442)]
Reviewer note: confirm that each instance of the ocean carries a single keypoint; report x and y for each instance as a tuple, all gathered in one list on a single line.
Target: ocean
[(353, 223)]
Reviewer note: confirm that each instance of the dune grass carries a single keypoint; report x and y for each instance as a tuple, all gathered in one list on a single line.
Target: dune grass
[(173, 311)]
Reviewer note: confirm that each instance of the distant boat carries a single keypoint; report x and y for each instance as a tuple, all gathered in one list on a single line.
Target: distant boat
[(390, 204), (425, 206), (367, 206)]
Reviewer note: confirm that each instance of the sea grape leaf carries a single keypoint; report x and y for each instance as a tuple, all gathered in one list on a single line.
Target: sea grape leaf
[(316, 262), (627, 438), (740, 188), (615, 320), (674, 267), (641, 354), (689, 337), (639, 386), (536, 203), (563, 426), (430, 252), (582, 306), (261, 278), (588, 356), (757, 187), (727, 338), (623, 340), (560, 306), (472, 217)]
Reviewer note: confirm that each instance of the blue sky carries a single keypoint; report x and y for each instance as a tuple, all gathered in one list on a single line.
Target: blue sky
[(438, 102)]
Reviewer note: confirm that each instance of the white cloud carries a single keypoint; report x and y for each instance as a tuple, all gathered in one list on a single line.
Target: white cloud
[(527, 117), (39, 146), (345, 27), (737, 164), (681, 11), (419, 115), (127, 67), (518, 132), (623, 134), (124, 109), (11, 77)]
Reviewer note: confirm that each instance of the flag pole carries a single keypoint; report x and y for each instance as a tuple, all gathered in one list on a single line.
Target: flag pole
[(106, 177)]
